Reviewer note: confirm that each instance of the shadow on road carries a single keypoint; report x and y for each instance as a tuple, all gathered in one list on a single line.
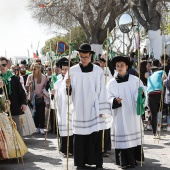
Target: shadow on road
[(37, 155)]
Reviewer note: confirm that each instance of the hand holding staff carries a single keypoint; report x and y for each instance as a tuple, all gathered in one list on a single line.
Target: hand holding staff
[(105, 81), (68, 83)]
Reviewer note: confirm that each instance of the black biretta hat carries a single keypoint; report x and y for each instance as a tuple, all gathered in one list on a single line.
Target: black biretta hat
[(123, 59), (85, 48), (65, 63), (60, 60), (102, 59)]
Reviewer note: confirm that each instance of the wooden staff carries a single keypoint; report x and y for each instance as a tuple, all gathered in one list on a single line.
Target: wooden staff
[(162, 100), (140, 105), (55, 112), (105, 81), (68, 101), (5, 54), (107, 52), (48, 120), (149, 50), (13, 130)]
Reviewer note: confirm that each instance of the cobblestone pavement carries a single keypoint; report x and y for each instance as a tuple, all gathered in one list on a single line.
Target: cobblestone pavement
[(39, 157)]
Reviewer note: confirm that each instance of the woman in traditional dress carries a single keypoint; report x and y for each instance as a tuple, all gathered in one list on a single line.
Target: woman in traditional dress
[(15, 93), (11, 143)]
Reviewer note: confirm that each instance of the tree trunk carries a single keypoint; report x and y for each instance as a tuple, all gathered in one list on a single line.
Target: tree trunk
[(155, 43), (97, 48)]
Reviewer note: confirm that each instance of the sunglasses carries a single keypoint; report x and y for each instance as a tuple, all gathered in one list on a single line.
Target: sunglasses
[(3, 65), (16, 69), (22, 68)]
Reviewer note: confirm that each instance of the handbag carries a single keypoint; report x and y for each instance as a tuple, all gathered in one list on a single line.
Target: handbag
[(39, 100)]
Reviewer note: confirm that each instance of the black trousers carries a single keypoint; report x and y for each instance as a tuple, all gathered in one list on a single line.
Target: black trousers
[(107, 140), (154, 105), (39, 116), (53, 121), (88, 149), (128, 156), (63, 144)]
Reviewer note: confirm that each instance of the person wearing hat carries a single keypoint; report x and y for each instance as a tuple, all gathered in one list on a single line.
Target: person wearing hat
[(57, 76), (102, 62), (125, 130), (61, 99), (108, 76), (89, 97), (58, 69)]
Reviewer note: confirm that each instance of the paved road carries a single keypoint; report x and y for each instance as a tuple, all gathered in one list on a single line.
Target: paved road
[(39, 157)]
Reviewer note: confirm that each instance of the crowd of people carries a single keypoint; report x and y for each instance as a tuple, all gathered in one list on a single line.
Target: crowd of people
[(96, 105)]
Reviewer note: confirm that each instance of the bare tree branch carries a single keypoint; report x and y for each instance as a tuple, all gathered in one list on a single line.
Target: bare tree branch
[(148, 13), (94, 16)]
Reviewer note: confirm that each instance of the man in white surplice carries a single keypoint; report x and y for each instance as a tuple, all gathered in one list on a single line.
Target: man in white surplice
[(62, 118), (89, 97), (125, 130)]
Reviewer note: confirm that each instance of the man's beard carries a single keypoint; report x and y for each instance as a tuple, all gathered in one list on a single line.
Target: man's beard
[(22, 73)]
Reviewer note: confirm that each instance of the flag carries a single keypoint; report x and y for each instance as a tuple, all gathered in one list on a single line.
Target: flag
[(76, 59), (140, 102), (112, 54), (37, 53), (35, 56)]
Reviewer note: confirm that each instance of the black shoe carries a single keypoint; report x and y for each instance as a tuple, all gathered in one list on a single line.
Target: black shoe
[(64, 155), (99, 167), (70, 154), (131, 166), (80, 167), (125, 166), (105, 154)]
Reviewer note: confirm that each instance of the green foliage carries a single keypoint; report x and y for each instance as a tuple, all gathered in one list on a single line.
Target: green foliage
[(167, 27), (77, 35)]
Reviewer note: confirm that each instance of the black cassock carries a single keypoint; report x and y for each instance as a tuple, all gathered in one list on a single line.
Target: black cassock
[(88, 148), (129, 156)]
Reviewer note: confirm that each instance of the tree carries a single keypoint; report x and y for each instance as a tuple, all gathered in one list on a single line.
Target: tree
[(148, 13), (94, 16), (116, 40), (78, 38)]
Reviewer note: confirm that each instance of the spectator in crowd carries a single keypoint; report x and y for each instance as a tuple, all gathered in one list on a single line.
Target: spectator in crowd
[(36, 84), (15, 93)]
